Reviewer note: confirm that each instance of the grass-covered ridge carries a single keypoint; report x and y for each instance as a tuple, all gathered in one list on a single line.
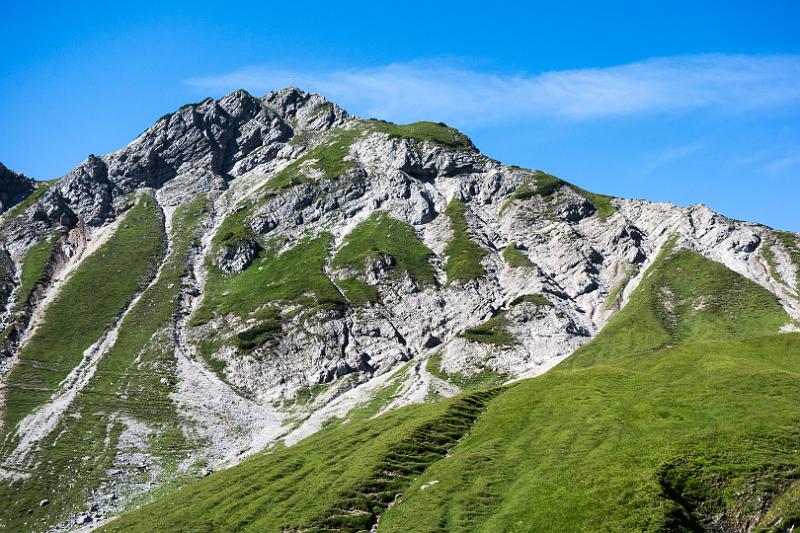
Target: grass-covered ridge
[(34, 268), (433, 132), (463, 254), (641, 444), (545, 185), (89, 301), (382, 235), (126, 388), (14, 212), (683, 298)]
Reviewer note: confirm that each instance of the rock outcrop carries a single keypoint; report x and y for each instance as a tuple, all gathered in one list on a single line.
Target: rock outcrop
[(14, 188)]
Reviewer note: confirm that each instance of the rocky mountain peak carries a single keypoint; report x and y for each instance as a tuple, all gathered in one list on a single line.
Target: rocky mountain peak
[(14, 187), (309, 111)]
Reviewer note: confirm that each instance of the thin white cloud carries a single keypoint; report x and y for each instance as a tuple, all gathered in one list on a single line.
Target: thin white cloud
[(435, 90), (783, 163), (669, 156)]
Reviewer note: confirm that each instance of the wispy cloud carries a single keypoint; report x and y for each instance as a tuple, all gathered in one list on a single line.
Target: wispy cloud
[(783, 163), (438, 90), (670, 155)]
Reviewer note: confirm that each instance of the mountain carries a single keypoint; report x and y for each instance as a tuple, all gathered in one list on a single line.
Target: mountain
[(346, 307)]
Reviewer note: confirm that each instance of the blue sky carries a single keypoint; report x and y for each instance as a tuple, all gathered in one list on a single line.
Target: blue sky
[(666, 101)]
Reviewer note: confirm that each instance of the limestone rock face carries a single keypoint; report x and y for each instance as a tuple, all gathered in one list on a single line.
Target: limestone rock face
[(14, 188), (305, 111), (238, 257), (286, 182)]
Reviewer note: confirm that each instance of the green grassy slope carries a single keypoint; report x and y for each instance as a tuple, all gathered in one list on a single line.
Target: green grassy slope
[(89, 301), (463, 254), (34, 268), (644, 444), (329, 158), (126, 389), (292, 277), (692, 428), (685, 298), (382, 234), (337, 480), (434, 132)]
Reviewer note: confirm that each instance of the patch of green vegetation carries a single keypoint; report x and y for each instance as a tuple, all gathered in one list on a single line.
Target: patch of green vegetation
[(89, 301), (340, 479), (614, 299), (545, 185), (463, 254), (324, 107), (217, 366), (536, 299), (772, 263), (209, 345), (784, 513), (234, 229), (23, 206), (34, 268), (493, 331), (358, 292), (302, 138), (330, 158), (515, 258), (433, 132), (267, 329), (308, 394), (485, 378), (601, 202), (293, 277), (382, 235), (684, 297), (434, 366)]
